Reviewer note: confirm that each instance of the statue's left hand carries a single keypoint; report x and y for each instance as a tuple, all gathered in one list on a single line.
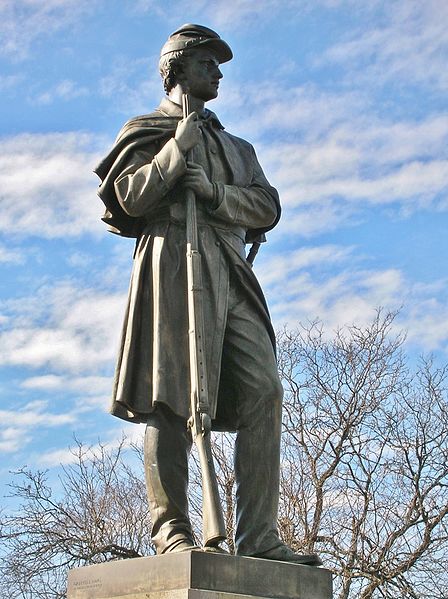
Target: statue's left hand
[(196, 179)]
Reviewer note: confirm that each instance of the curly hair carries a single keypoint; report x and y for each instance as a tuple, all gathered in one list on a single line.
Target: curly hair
[(170, 66)]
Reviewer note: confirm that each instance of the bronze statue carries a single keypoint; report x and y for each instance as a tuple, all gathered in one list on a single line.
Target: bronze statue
[(145, 181)]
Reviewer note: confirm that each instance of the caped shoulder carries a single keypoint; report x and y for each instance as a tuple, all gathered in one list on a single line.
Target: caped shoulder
[(144, 121)]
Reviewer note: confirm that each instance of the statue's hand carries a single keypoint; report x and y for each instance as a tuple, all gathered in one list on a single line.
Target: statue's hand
[(196, 179), (188, 133)]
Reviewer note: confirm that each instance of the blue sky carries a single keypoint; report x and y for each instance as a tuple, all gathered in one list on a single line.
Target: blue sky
[(345, 102)]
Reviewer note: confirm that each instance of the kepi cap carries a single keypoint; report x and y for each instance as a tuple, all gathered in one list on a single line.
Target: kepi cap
[(194, 36)]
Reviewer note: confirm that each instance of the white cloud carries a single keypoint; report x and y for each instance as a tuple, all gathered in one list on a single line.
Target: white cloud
[(414, 185), (311, 219), (412, 47), (328, 177), (87, 385), (277, 270), (93, 391), (332, 156), (153, 6), (25, 21), (64, 329), (308, 113), (328, 168), (135, 86), (35, 414), (9, 82), (238, 13), (65, 90), (132, 433), (56, 457), (427, 321), (18, 424), (12, 439), (10, 256), (80, 260), (47, 187), (303, 285)]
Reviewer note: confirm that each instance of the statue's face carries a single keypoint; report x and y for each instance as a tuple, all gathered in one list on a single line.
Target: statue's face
[(201, 74)]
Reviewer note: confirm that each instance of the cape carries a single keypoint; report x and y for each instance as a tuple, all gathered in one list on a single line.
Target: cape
[(140, 131), (150, 129)]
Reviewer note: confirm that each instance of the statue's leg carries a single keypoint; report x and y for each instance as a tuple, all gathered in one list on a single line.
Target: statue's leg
[(250, 377), (167, 446), (257, 464)]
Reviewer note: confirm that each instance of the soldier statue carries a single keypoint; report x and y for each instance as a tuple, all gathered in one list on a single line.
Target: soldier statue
[(144, 182)]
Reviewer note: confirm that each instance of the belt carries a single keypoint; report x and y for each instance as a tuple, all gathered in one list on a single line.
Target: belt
[(203, 220)]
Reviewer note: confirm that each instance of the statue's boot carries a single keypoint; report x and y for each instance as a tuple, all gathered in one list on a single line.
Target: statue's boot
[(283, 553), (167, 446)]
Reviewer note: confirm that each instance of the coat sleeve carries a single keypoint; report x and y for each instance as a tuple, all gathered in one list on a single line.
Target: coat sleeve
[(148, 178), (255, 206)]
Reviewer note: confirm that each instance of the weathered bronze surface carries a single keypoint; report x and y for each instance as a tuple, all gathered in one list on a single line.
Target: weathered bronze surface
[(144, 183), (201, 575)]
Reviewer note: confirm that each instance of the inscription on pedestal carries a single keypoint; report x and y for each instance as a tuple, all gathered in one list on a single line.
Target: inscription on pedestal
[(88, 584)]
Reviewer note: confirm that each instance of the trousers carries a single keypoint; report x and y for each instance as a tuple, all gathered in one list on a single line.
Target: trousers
[(249, 365)]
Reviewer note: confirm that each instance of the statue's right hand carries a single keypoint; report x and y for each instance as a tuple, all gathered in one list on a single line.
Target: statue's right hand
[(188, 133)]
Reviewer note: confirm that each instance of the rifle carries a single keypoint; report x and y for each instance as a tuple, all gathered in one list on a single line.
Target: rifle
[(199, 423)]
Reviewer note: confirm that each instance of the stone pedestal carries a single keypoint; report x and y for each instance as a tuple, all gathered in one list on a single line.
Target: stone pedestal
[(199, 575)]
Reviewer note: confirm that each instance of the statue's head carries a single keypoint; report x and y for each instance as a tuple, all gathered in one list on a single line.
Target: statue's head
[(191, 44)]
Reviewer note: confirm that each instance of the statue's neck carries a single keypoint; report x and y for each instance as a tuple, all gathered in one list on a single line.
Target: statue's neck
[(196, 105)]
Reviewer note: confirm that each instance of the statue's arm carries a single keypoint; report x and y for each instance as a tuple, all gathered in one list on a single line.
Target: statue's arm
[(254, 206), (148, 178)]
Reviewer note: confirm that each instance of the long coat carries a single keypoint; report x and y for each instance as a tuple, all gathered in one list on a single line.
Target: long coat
[(142, 190)]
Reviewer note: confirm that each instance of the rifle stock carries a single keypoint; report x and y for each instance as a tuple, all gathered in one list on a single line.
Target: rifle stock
[(213, 527)]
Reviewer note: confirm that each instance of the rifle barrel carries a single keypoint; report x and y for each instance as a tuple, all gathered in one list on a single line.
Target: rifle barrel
[(214, 530)]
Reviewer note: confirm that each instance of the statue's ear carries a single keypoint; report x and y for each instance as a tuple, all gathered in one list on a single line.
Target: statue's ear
[(179, 75)]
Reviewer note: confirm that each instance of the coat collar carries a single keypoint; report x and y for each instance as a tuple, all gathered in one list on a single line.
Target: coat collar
[(171, 109)]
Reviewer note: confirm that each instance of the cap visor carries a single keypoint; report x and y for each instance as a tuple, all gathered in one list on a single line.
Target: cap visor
[(219, 48)]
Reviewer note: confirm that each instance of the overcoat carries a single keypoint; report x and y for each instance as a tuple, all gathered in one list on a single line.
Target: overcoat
[(144, 197)]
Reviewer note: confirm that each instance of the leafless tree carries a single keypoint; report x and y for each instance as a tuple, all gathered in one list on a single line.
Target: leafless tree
[(365, 460), (98, 513), (364, 477)]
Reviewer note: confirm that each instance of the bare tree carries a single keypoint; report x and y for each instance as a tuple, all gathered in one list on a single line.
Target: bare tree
[(364, 478), (365, 460), (98, 513)]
